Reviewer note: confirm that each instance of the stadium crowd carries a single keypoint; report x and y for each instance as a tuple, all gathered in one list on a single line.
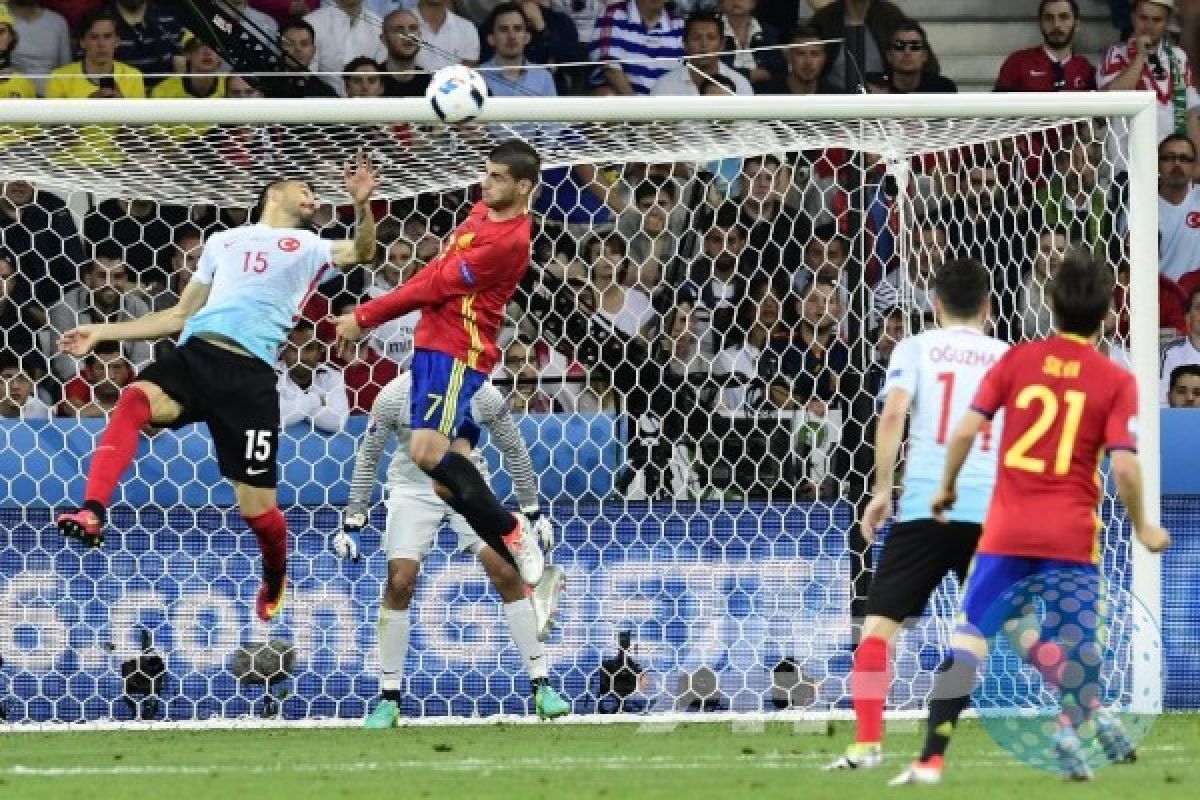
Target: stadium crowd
[(690, 297)]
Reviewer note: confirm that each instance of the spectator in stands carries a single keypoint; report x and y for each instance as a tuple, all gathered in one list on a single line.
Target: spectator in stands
[(583, 14), (185, 257), (402, 41), (927, 252), (39, 230), (825, 251), (883, 343), (94, 391), (202, 74), (242, 89), (864, 29), (555, 41), (806, 60), (343, 31), (1054, 66), (282, 9), (1178, 207), (740, 361), (908, 69), (309, 389), (1147, 61), (653, 224), (105, 295), (1074, 200), (624, 308), (774, 230), (362, 78), (678, 348), (43, 41), (715, 279), (812, 364), (98, 74), (258, 21), (448, 38), (394, 339), (18, 400), (142, 228), (150, 36), (745, 33), (627, 36), (703, 38), (1186, 349), (16, 323), (12, 83), (1035, 320), (298, 41), (521, 366), (1185, 387), (515, 76)]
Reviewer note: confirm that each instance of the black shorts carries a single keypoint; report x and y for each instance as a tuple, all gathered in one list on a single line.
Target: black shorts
[(916, 556), (235, 395)]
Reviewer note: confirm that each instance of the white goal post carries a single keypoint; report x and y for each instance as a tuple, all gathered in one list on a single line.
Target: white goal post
[(647, 129)]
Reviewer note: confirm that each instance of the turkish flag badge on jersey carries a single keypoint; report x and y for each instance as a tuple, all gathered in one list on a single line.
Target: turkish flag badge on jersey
[(289, 244)]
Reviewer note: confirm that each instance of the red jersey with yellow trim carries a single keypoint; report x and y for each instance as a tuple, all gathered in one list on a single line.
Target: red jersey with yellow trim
[(1065, 405), (463, 292)]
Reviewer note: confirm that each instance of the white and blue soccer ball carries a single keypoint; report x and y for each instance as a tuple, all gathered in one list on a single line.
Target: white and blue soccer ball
[(457, 93)]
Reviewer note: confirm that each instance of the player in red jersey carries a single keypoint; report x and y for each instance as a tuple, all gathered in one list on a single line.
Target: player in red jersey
[(1064, 404), (462, 295)]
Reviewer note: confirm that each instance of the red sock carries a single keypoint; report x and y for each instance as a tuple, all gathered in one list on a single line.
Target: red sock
[(869, 684), (117, 446), (1047, 658), (271, 530)]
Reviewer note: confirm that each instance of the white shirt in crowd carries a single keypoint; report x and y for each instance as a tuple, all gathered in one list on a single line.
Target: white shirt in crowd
[(678, 82), (1179, 235), (634, 314), (1177, 353), (324, 403), (394, 339), (341, 39), (455, 42)]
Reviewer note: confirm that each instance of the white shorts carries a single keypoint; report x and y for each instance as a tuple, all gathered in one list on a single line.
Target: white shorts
[(414, 517)]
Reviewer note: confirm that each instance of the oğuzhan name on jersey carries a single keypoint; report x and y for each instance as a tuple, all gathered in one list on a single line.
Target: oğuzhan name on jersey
[(260, 277), (390, 417), (941, 369)]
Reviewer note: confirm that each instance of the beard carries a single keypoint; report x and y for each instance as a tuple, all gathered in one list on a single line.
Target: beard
[(1058, 40)]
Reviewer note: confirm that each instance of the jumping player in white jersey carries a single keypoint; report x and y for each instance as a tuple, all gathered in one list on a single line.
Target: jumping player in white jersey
[(935, 374), (415, 514), (234, 314)]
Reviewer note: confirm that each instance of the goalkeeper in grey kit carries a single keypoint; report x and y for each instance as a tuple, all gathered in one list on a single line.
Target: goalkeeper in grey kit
[(415, 514)]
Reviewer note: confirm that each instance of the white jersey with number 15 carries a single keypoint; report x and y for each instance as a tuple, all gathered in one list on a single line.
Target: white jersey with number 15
[(941, 369)]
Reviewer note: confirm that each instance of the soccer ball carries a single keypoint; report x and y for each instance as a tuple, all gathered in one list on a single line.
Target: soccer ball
[(457, 93)]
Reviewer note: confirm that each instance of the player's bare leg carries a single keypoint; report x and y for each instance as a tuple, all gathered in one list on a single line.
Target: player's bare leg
[(459, 483), (260, 509), (394, 629), (870, 679), (140, 403), (525, 625)]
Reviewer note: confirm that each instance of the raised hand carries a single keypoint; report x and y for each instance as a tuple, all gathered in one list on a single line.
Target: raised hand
[(361, 178)]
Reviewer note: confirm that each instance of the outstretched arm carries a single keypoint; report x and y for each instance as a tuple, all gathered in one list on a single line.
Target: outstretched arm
[(168, 322), (361, 182)]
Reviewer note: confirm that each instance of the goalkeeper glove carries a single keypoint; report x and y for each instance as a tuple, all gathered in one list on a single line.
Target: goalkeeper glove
[(541, 526), (345, 541)]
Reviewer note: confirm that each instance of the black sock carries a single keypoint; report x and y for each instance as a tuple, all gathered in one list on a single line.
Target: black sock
[(391, 694), (272, 578), (98, 509), (475, 500), (951, 695)]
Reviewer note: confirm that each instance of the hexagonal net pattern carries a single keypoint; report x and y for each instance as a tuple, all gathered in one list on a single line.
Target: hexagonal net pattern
[(695, 360)]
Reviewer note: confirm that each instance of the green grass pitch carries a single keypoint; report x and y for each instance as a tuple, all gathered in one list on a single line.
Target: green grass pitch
[(566, 762)]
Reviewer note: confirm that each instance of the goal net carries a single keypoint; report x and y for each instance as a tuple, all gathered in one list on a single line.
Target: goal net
[(695, 360)]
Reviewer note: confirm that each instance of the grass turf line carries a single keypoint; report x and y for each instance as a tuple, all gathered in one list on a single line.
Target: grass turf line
[(690, 762)]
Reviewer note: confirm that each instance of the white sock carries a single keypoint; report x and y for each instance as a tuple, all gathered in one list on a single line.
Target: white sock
[(393, 647), (523, 624)]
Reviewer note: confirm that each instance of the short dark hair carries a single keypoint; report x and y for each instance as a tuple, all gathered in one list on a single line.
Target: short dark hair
[(962, 286), (804, 32), (261, 204), (101, 14), (1177, 137), (297, 23), (1072, 3), (504, 8), (909, 26), (520, 157), (701, 16), (652, 186), (362, 61), (1183, 370), (185, 232), (105, 348), (1081, 293), (107, 248)]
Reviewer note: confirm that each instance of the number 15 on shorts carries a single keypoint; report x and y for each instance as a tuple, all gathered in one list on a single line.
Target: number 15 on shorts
[(258, 446)]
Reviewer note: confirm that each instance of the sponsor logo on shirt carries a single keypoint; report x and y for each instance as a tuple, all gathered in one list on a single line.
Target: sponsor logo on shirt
[(464, 241), (896, 373), (464, 269), (289, 244)]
